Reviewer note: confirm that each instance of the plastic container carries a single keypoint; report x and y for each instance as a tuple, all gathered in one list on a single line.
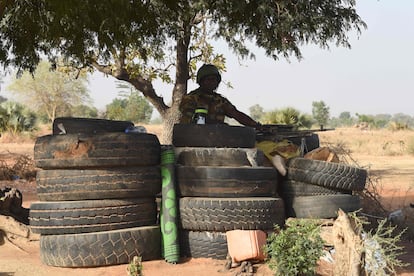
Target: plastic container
[(246, 244)]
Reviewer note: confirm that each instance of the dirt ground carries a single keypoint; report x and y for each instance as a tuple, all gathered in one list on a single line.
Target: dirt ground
[(394, 174)]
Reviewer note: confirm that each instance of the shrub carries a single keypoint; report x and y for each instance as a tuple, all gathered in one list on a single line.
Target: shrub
[(296, 249)]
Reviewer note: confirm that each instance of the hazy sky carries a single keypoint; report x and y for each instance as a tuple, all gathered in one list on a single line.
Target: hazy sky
[(375, 76)]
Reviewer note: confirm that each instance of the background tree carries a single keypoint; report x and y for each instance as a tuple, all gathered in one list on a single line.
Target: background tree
[(382, 120), (256, 112), (53, 93), (138, 109), (15, 118), (320, 112), (403, 119), (84, 111), (287, 116), (345, 118), (115, 110), (131, 106), (366, 119), (140, 41)]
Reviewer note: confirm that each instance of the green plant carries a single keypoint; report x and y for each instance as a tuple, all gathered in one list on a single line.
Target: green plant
[(135, 266), (296, 249), (380, 246), (16, 118), (320, 112)]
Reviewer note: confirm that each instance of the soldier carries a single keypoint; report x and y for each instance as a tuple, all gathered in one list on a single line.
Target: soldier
[(205, 97), (218, 107)]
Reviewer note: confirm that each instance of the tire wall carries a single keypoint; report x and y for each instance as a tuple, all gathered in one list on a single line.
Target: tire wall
[(222, 185), (98, 195)]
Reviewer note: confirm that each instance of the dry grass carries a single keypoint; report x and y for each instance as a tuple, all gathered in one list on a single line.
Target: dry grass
[(17, 166), (371, 142), (154, 129), (25, 137)]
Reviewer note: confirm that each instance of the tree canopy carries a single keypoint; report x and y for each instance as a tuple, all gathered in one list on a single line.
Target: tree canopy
[(320, 112), (140, 41), (51, 93), (130, 106)]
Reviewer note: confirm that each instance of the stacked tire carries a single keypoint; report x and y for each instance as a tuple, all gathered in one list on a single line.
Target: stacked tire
[(222, 185), (317, 189), (97, 198)]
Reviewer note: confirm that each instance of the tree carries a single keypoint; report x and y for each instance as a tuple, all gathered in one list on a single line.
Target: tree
[(53, 93), (365, 119), (84, 111), (320, 112), (345, 118), (132, 107), (287, 116), (140, 41), (115, 110), (402, 119), (15, 118), (256, 112), (137, 108)]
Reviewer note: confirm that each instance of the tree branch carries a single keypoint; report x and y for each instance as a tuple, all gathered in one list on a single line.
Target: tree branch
[(141, 84)]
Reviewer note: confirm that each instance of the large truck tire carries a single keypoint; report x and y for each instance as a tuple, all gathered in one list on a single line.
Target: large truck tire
[(203, 244), (73, 125), (224, 214), (328, 174), (115, 183), (323, 206), (74, 217), (101, 248), (226, 181), (96, 150), (213, 135)]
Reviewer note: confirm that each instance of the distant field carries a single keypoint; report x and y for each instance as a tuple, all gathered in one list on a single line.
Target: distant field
[(371, 142)]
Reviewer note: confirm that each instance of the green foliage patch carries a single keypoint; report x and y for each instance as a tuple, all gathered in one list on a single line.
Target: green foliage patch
[(296, 249)]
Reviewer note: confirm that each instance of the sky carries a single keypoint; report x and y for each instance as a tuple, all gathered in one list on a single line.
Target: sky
[(375, 76)]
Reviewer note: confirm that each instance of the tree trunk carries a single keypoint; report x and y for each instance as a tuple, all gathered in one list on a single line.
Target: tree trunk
[(170, 117), (348, 247)]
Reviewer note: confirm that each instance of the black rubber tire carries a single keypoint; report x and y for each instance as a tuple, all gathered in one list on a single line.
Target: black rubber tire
[(323, 206), (228, 157), (203, 244), (74, 217), (96, 150), (328, 174), (311, 142), (292, 188), (126, 182), (226, 181), (101, 248), (74, 125), (213, 135), (224, 214)]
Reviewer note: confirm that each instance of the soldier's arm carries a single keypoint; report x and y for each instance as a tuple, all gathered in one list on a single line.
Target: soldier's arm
[(241, 117)]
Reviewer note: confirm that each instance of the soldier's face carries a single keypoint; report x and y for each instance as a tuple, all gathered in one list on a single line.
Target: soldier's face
[(209, 83)]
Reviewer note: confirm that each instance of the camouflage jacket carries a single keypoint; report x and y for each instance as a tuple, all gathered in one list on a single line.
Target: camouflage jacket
[(217, 106)]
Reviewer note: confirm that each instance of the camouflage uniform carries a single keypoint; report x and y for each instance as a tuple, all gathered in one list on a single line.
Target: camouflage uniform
[(218, 106)]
